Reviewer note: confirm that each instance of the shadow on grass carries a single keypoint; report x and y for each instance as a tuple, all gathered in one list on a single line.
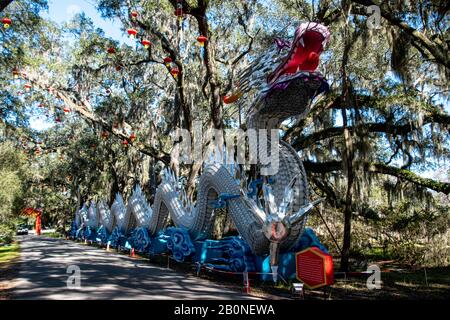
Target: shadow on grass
[(9, 267)]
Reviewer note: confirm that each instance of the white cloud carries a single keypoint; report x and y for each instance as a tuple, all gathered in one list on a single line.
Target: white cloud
[(72, 10)]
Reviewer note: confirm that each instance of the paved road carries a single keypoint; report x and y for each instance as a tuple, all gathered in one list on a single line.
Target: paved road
[(104, 275)]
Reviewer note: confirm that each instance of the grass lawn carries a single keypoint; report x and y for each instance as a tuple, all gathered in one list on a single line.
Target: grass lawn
[(9, 257), (53, 235), (8, 253)]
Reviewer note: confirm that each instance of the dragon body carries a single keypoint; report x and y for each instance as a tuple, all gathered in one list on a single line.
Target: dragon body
[(274, 87)]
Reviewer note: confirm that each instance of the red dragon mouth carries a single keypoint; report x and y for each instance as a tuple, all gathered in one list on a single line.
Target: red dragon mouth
[(303, 57), (309, 43)]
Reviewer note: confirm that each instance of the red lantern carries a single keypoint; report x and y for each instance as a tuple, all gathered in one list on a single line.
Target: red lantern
[(6, 22), (66, 109), (132, 33), (38, 222), (105, 135), (202, 40), (111, 50), (134, 15), (179, 12), (16, 73), (175, 72), (133, 137), (125, 143), (27, 87), (233, 98), (146, 43), (167, 61)]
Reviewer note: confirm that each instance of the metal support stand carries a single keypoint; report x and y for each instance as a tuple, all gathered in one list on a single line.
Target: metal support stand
[(298, 291), (329, 231), (246, 282)]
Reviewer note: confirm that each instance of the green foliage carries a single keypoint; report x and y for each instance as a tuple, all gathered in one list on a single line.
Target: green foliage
[(418, 234), (13, 175), (412, 231), (9, 252), (6, 234), (54, 235)]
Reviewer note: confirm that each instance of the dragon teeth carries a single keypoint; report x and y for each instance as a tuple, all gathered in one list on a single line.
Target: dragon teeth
[(302, 42)]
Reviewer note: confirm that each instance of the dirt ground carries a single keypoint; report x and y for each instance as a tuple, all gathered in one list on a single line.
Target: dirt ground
[(397, 282)]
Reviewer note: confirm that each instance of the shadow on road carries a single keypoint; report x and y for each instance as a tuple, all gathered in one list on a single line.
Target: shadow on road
[(43, 275)]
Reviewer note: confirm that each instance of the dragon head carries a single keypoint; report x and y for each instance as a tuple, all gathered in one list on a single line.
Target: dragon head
[(284, 60), (309, 42)]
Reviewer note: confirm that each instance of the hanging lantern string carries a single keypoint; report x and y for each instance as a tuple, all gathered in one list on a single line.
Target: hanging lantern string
[(179, 12), (203, 39)]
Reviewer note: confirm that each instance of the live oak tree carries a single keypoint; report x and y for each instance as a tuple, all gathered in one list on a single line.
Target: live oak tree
[(382, 122), (403, 112)]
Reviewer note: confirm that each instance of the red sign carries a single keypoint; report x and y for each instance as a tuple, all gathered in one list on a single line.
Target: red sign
[(38, 224), (314, 268)]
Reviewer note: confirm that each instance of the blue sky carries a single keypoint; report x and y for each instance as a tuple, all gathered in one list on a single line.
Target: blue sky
[(63, 10)]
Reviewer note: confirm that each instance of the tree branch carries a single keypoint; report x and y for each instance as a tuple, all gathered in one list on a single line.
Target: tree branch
[(379, 168), (83, 111), (407, 175), (174, 55), (302, 142), (439, 53), (4, 4)]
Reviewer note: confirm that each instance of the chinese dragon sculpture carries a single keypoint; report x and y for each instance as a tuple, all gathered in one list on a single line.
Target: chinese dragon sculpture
[(274, 87)]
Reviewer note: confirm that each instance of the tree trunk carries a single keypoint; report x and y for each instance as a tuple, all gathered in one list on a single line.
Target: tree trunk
[(348, 197), (348, 154), (115, 186)]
